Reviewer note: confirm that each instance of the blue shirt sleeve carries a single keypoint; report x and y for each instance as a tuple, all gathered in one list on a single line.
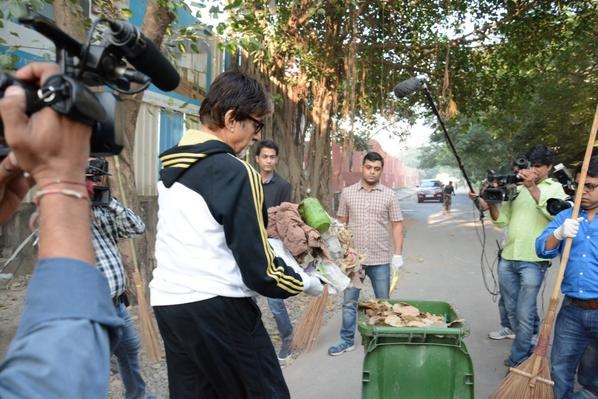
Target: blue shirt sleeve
[(552, 226), (62, 346)]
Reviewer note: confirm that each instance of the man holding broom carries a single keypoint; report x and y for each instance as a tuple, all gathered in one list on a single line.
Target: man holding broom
[(576, 325), (520, 271), (370, 210), (111, 222)]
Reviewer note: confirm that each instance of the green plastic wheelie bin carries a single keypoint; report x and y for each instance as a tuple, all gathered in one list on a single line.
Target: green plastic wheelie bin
[(416, 363)]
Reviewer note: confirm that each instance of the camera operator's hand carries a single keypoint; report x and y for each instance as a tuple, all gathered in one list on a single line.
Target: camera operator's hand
[(473, 196), (54, 150), (529, 177), (569, 228), (48, 145), (13, 187)]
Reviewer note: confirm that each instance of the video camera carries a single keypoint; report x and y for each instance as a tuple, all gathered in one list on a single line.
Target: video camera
[(501, 188), (556, 205), (96, 169), (84, 65)]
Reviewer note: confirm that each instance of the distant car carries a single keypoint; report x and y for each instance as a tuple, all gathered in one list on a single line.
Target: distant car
[(430, 190)]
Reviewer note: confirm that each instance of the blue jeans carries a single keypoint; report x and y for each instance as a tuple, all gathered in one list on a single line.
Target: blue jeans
[(575, 334), (504, 319), (502, 312), (379, 275), (586, 373), (281, 316), (519, 283), (127, 354)]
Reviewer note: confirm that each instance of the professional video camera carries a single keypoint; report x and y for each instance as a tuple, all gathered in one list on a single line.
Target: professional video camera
[(84, 65), (503, 187), (97, 168), (556, 205)]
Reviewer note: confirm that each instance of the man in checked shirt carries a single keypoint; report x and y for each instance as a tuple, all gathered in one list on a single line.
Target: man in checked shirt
[(372, 213), (111, 222)]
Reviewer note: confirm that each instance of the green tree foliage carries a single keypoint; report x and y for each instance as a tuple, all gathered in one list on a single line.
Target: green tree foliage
[(335, 60), (534, 81), (479, 149)]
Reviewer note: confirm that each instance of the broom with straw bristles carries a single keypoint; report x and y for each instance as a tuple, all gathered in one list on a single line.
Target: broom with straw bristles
[(308, 328), (531, 379), (149, 336)]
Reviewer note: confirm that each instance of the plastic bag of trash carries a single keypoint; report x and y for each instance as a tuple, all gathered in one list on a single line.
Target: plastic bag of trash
[(332, 274)]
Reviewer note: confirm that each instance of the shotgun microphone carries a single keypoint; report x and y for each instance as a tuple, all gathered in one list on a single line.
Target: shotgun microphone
[(144, 55), (409, 86)]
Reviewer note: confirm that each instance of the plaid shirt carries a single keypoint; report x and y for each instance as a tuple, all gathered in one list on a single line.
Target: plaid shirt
[(370, 215), (110, 224)]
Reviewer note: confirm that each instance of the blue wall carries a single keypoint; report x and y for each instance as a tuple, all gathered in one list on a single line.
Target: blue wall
[(171, 129)]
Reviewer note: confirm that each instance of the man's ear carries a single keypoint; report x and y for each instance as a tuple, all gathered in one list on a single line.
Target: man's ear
[(229, 119)]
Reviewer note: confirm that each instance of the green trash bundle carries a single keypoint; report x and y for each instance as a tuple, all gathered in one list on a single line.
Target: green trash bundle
[(314, 215)]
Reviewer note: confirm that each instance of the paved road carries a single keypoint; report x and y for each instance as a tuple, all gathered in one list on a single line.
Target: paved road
[(442, 256)]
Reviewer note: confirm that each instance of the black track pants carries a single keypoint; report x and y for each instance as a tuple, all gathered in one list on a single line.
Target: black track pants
[(219, 348)]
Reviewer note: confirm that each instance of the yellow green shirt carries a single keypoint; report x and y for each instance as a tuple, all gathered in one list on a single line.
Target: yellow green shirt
[(526, 220)]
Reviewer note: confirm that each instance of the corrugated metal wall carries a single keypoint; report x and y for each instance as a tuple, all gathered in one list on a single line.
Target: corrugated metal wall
[(171, 129), (146, 149)]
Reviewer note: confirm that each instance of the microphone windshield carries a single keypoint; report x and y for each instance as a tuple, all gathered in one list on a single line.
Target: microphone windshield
[(144, 55), (409, 86), (153, 63)]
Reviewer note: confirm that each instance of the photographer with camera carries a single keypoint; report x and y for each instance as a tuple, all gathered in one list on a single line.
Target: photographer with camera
[(62, 346), (112, 222), (577, 321), (520, 271)]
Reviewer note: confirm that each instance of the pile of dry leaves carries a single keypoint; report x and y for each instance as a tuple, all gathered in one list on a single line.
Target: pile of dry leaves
[(384, 313)]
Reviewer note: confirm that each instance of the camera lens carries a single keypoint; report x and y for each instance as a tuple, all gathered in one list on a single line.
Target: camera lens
[(522, 163), (556, 205)]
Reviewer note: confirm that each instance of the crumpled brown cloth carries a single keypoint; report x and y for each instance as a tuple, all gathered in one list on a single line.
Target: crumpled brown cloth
[(285, 224)]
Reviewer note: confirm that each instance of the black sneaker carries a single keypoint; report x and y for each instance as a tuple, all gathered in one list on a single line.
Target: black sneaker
[(286, 350)]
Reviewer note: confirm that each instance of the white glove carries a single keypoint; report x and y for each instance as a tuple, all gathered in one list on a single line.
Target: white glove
[(569, 228), (312, 286), (397, 262)]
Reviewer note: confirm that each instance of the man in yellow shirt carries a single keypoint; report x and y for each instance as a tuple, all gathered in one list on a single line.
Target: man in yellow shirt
[(520, 271)]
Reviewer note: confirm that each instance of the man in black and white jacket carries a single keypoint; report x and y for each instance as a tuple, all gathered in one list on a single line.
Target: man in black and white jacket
[(213, 255)]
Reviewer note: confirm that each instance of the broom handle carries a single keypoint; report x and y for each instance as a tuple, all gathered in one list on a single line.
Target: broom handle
[(124, 200), (551, 313), (578, 194)]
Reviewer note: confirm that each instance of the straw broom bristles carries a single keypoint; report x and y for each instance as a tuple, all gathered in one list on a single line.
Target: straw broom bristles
[(523, 383), (308, 328), (531, 379), (149, 336)]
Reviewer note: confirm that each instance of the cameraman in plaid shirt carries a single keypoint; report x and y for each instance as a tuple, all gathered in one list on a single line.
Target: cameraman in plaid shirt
[(111, 222)]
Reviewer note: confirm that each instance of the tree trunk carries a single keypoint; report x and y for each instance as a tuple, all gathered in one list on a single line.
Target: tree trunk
[(156, 20), (287, 125), (318, 160), (69, 17)]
